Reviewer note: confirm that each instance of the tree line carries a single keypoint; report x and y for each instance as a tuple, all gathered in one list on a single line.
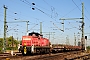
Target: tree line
[(11, 43)]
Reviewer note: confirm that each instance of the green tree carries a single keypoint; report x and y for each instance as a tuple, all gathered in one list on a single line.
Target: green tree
[(1, 43), (12, 43), (88, 47)]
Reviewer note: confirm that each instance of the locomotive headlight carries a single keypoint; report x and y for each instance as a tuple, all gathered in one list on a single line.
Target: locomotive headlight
[(25, 50), (24, 44)]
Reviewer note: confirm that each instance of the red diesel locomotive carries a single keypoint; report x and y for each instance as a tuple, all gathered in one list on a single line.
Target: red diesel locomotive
[(34, 43)]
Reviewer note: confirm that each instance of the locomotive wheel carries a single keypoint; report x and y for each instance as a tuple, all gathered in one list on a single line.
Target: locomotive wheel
[(38, 51)]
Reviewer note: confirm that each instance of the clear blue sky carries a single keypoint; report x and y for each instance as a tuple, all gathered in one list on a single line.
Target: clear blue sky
[(48, 12)]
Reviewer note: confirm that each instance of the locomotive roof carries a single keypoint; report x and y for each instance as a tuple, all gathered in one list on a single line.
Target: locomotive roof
[(34, 33)]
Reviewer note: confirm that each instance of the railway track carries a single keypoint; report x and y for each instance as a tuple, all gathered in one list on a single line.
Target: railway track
[(8, 55), (65, 56), (75, 55)]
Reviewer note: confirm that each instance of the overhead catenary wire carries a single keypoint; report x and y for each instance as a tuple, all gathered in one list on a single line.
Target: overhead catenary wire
[(76, 5), (80, 10), (85, 8), (53, 9), (49, 5), (54, 14), (57, 26), (12, 17), (30, 6), (85, 14), (25, 1), (74, 26), (42, 11), (69, 12)]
